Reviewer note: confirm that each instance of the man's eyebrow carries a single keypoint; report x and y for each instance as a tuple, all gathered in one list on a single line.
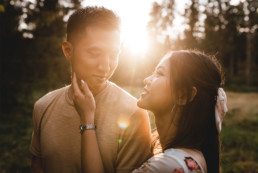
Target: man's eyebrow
[(94, 48)]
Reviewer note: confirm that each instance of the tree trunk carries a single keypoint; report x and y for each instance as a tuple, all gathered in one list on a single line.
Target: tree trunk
[(249, 59)]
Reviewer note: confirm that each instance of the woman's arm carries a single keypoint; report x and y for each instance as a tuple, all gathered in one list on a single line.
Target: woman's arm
[(85, 105)]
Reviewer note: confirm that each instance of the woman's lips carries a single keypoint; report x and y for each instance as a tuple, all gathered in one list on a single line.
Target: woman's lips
[(145, 92)]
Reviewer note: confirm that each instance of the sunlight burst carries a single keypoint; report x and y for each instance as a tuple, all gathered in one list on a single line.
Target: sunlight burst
[(136, 41), (134, 18)]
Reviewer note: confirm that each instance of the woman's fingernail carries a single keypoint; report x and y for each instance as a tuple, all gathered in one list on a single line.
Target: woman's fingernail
[(82, 81)]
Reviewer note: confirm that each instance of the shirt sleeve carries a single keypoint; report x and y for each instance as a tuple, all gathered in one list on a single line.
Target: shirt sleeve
[(135, 143), (35, 139)]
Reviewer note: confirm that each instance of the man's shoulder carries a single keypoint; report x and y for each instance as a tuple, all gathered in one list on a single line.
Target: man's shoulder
[(47, 99), (121, 93), (127, 102)]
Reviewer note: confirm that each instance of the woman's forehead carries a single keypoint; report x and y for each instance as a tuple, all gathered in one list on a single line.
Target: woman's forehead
[(164, 63)]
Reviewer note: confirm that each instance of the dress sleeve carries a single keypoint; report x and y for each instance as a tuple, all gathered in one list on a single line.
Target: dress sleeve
[(168, 164), (159, 163), (135, 143)]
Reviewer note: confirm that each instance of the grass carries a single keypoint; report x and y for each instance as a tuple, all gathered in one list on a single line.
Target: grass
[(239, 136)]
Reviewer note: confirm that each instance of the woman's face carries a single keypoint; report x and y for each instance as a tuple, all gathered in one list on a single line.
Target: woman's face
[(156, 96)]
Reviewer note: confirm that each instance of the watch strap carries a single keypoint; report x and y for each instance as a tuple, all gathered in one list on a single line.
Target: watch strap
[(87, 127)]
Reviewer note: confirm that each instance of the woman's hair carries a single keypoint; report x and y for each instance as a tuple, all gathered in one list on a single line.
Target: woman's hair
[(197, 127)]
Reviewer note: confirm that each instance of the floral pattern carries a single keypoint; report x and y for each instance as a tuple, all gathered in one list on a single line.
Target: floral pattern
[(181, 170), (192, 165), (180, 163)]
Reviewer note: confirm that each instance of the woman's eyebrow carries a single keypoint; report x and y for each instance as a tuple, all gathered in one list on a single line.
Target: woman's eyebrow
[(161, 68)]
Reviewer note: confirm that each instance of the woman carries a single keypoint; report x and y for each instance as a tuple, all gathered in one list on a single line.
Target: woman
[(185, 96)]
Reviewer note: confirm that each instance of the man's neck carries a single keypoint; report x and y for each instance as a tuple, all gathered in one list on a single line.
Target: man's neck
[(94, 91)]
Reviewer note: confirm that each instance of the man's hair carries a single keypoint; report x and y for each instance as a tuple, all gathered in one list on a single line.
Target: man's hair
[(92, 16)]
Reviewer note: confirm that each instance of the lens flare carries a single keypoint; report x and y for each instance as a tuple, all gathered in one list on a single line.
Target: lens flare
[(123, 125), (123, 122), (119, 141)]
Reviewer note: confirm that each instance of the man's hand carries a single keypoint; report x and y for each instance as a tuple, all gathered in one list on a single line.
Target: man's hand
[(83, 100)]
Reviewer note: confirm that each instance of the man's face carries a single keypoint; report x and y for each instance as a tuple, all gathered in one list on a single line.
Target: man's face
[(95, 55)]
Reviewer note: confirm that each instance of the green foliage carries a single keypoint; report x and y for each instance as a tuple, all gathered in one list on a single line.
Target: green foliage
[(239, 146), (15, 139)]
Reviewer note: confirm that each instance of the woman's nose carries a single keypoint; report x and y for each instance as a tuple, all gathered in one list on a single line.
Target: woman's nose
[(147, 80)]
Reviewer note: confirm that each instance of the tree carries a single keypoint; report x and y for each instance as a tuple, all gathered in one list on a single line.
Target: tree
[(192, 15), (252, 30), (10, 39), (162, 17), (32, 62)]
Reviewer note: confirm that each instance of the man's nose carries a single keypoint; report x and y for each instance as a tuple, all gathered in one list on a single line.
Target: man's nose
[(104, 64)]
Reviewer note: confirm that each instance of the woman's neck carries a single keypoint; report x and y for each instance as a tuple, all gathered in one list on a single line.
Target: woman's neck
[(166, 124)]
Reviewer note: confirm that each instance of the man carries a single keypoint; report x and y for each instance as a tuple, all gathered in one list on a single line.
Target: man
[(123, 132)]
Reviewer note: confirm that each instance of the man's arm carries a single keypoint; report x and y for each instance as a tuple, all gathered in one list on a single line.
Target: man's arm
[(36, 165), (136, 143)]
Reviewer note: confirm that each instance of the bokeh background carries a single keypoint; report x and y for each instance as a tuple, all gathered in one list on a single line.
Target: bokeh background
[(32, 63)]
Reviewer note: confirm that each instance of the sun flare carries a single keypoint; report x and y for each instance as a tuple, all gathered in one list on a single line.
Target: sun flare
[(136, 41), (134, 16)]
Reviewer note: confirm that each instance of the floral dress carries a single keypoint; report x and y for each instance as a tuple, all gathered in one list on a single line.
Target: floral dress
[(170, 161)]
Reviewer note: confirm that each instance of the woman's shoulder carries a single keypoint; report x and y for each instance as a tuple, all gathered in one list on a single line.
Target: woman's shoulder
[(170, 161)]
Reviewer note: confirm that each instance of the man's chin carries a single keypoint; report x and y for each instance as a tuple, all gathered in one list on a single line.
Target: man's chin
[(97, 85)]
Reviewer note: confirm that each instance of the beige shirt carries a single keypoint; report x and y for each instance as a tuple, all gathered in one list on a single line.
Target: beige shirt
[(123, 131)]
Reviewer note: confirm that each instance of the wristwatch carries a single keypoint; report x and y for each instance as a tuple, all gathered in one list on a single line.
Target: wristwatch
[(87, 127)]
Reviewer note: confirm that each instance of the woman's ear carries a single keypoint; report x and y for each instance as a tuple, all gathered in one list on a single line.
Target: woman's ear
[(67, 50), (183, 97), (193, 93)]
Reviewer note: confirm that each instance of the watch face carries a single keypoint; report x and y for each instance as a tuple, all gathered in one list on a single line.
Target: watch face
[(81, 128)]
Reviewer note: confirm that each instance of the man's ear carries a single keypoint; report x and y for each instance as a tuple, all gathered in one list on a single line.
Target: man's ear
[(182, 97), (67, 50)]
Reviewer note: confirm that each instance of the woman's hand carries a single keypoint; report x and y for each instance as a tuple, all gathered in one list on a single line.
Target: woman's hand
[(83, 100)]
